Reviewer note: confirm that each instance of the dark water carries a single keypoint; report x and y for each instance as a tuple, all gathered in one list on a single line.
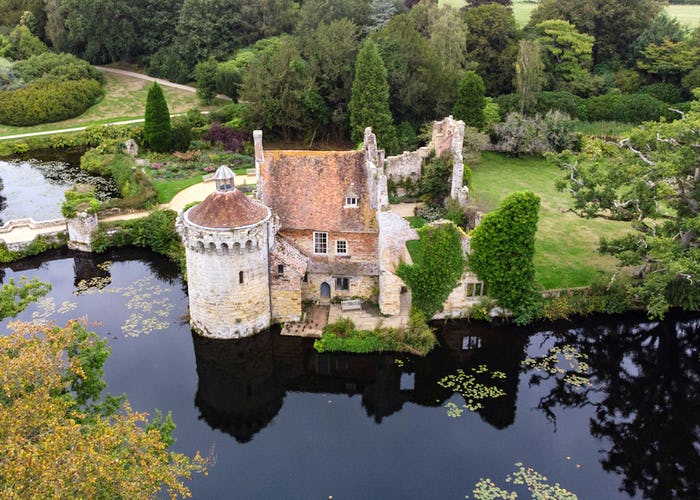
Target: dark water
[(35, 188), (287, 422)]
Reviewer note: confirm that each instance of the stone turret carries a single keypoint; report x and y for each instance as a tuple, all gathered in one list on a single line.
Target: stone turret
[(227, 251)]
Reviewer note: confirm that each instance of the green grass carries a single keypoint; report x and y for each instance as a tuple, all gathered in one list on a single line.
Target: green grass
[(688, 15), (167, 189), (125, 99), (602, 128), (415, 249), (415, 222), (566, 245)]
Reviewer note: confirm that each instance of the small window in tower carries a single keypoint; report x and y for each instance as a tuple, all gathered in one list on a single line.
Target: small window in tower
[(240, 277), (280, 269), (305, 279), (341, 247), (321, 243), (342, 284), (350, 201)]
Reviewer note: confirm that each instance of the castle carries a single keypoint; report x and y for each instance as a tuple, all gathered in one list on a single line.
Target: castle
[(319, 228)]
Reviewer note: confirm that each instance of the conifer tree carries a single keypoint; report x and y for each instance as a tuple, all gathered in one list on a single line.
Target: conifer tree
[(157, 131), (369, 102), (470, 101)]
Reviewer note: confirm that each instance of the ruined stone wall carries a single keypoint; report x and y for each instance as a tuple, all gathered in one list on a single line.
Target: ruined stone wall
[(80, 229), (221, 306), (465, 295), (394, 231)]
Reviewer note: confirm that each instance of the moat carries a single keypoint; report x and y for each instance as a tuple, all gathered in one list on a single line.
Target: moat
[(607, 407)]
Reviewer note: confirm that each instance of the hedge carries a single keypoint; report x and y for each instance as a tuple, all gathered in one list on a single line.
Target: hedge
[(627, 108), (47, 102)]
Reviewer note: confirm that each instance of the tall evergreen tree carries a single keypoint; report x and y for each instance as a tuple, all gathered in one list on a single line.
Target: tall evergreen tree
[(470, 101), (369, 102), (156, 130)]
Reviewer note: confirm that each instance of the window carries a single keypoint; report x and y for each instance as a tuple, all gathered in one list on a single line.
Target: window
[(475, 289), (240, 277), (305, 279), (342, 284), (280, 269), (321, 243), (350, 201), (341, 247)]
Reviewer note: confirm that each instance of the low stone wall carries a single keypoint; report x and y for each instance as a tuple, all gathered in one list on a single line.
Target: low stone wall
[(58, 236), (30, 223)]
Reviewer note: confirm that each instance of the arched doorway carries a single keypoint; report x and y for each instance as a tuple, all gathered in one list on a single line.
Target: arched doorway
[(325, 291)]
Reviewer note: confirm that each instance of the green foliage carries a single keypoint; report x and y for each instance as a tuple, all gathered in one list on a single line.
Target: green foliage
[(39, 245), (470, 101), (435, 273), (610, 298), (503, 246), (157, 131), (15, 297), (135, 187), (529, 74), (665, 92), (205, 75), (80, 199), (628, 108), (669, 59), (492, 45), (369, 104), (47, 101), (155, 232), (535, 135), (544, 101), (182, 133), (415, 338), (568, 56), (632, 181), (51, 66), (23, 44), (435, 178), (473, 144)]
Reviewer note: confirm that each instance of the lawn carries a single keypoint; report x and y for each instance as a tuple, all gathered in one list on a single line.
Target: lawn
[(688, 15), (566, 245), (125, 99)]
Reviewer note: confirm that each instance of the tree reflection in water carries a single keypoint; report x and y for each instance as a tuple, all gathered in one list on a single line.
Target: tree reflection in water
[(645, 390)]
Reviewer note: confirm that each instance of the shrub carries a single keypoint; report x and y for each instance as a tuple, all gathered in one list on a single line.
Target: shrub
[(50, 66), (546, 101), (503, 247), (205, 75), (628, 108), (229, 139), (627, 80), (535, 135), (135, 187), (44, 102), (182, 133), (435, 180), (80, 199), (157, 130), (474, 143), (665, 92)]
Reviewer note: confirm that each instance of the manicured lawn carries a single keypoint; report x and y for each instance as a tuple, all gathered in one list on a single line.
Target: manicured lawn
[(566, 245), (521, 9), (167, 189), (125, 99), (688, 15)]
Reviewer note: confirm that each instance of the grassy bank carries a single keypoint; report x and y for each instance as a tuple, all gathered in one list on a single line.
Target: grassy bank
[(566, 246), (125, 99)]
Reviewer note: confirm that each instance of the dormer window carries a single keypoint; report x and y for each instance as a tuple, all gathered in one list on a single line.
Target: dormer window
[(351, 197)]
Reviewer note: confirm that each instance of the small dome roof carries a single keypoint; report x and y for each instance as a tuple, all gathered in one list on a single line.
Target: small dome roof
[(229, 209), (223, 172)]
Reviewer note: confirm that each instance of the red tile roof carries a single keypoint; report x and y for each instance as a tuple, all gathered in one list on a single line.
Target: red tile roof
[(307, 190), (228, 209)]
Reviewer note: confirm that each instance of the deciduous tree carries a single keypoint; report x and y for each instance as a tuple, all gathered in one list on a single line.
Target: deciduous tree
[(470, 101), (529, 74)]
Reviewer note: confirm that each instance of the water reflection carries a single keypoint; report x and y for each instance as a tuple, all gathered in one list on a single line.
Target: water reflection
[(645, 391), (242, 383)]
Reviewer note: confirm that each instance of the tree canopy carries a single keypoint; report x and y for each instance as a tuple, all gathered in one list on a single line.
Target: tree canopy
[(650, 178)]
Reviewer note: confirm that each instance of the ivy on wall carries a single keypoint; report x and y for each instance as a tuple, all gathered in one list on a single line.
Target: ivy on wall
[(437, 267), (503, 247)]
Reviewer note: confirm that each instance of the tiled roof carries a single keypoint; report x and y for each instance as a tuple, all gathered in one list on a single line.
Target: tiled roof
[(227, 210), (307, 190)]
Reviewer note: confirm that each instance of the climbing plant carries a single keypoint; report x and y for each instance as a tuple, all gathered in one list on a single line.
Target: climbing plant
[(503, 247), (436, 268)]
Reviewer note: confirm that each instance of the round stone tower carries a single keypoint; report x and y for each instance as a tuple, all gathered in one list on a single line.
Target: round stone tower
[(226, 239)]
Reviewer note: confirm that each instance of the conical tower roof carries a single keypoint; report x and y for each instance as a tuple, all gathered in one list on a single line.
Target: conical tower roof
[(227, 210)]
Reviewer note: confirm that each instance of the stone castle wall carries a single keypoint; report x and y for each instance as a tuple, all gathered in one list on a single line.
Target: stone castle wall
[(228, 280), (360, 286)]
